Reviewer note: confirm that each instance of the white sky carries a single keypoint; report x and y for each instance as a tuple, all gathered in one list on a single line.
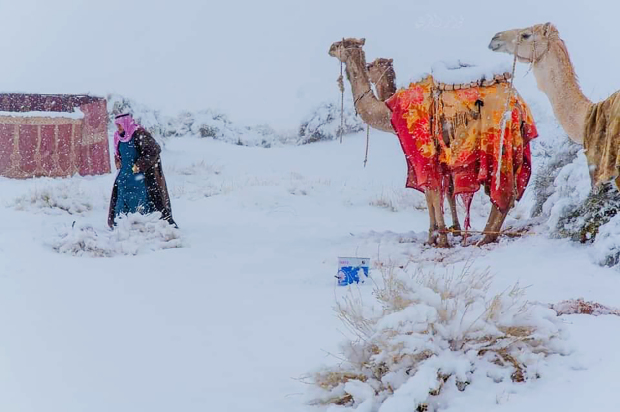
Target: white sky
[(266, 61)]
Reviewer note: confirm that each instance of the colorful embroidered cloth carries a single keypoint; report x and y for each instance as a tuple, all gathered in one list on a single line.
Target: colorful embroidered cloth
[(458, 133)]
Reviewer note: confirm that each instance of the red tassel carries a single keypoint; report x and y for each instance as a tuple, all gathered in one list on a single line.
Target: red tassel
[(467, 198)]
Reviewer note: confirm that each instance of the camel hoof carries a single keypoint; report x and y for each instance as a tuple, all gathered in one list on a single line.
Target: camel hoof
[(443, 242), (432, 237), (487, 239)]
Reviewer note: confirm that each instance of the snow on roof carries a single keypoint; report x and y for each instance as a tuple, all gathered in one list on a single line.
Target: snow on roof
[(76, 114)]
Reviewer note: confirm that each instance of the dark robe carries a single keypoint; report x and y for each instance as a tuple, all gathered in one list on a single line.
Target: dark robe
[(149, 163)]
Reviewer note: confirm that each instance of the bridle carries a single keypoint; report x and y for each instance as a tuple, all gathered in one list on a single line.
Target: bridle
[(536, 58)]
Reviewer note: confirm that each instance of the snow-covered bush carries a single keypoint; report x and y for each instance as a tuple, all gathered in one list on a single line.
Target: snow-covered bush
[(54, 197), (204, 123), (606, 246), (564, 154), (571, 188), (325, 121), (152, 120), (322, 124), (432, 334), (563, 195), (582, 223), (134, 234)]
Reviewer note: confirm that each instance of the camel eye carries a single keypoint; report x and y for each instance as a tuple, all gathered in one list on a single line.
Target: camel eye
[(526, 36)]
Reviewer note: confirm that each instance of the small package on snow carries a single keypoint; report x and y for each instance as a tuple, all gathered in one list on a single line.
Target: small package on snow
[(349, 270)]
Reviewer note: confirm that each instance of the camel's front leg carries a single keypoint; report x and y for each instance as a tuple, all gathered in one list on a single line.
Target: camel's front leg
[(437, 231), (432, 228), (494, 225), (456, 226)]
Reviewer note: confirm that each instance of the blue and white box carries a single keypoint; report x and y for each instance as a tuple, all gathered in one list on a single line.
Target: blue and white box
[(352, 270)]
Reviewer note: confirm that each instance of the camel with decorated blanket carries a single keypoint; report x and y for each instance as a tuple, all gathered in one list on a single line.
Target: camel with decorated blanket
[(451, 134)]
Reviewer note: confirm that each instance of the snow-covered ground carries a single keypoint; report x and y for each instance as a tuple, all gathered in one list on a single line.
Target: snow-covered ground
[(234, 309), (232, 313)]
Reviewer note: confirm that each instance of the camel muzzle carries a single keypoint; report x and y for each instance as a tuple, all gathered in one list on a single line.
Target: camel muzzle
[(496, 43)]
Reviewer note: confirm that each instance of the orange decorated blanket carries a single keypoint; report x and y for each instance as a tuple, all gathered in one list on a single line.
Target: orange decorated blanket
[(457, 133)]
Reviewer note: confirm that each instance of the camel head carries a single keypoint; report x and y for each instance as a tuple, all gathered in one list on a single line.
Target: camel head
[(530, 43), (379, 68), (341, 49)]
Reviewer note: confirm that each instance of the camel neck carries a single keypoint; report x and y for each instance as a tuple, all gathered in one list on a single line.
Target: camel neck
[(372, 111), (556, 78), (356, 73)]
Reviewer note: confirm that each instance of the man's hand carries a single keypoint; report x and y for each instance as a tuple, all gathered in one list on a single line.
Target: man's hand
[(135, 169)]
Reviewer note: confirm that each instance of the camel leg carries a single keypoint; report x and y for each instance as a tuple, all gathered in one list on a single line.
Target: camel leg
[(432, 229), (441, 237), (456, 226), (441, 225), (494, 225)]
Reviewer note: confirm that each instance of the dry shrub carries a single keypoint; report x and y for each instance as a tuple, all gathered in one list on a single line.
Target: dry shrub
[(426, 331), (58, 197), (580, 306), (134, 234)]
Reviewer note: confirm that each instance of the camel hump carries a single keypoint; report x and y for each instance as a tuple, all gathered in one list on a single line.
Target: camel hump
[(381, 62), (351, 42)]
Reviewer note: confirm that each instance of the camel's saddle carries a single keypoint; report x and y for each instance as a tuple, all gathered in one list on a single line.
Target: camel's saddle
[(457, 75)]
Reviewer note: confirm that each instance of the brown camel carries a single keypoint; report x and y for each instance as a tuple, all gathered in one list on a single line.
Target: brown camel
[(377, 115), (382, 75), (594, 125)]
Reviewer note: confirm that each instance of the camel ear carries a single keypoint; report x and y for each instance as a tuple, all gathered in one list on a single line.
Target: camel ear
[(547, 27)]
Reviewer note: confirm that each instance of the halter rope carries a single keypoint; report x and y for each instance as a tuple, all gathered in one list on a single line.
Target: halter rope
[(505, 116), (341, 85)]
